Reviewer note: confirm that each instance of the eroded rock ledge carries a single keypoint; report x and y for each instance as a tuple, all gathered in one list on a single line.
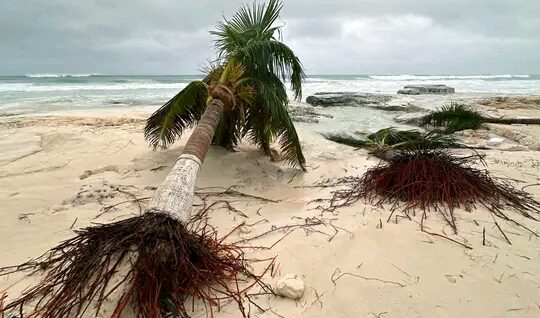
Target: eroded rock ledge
[(426, 89), (347, 99)]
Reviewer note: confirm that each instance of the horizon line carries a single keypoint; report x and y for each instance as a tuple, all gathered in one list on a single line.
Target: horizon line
[(47, 74)]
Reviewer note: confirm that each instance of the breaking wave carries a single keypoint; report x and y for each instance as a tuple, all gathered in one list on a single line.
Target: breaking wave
[(55, 75), (406, 77)]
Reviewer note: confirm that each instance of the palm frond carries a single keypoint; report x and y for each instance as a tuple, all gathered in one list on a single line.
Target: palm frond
[(250, 38), (345, 140), (291, 150), (453, 117), (229, 130), (249, 23), (181, 112), (408, 140), (260, 57), (270, 119), (257, 129), (391, 138), (256, 63)]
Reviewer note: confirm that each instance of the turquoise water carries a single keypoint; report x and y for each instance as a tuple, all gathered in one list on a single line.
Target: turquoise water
[(44, 92)]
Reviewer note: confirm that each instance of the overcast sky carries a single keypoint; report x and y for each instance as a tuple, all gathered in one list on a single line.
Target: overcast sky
[(330, 36)]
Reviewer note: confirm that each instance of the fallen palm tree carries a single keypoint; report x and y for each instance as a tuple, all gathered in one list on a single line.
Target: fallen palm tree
[(153, 262), (434, 180), (345, 139), (457, 117), (386, 142)]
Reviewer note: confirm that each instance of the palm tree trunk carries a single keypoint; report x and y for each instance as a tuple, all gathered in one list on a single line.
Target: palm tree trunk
[(174, 196), (511, 121)]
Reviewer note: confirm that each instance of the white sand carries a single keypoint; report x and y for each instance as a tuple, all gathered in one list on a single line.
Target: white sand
[(393, 271)]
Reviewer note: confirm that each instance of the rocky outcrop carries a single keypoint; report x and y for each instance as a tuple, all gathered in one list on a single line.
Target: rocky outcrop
[(511, 102), (408, 108), (426, 89), (347, 99), (306, 114), (408, 91), (409, 119)]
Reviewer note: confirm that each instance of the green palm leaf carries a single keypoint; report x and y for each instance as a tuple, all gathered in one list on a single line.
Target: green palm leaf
[(250, 23), (250, 38), (273, 56), (270, 120), (181, 112), (453, 117), (251, 41)]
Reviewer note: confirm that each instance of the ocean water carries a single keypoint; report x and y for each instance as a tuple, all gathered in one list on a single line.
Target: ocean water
[(46, 92)]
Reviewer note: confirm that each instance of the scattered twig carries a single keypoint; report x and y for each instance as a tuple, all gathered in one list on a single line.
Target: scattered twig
[(73, 224), (502, 232), (447, 238), (335, 278), (317, 298), (275, 313), (24, 216), (530, 185)]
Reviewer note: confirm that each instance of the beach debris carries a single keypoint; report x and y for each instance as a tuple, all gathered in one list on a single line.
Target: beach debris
[(455, 117), (495, 141), (426, 89), (245, 229), (437, 181), (385, 142), (518, 135), (290, 286)]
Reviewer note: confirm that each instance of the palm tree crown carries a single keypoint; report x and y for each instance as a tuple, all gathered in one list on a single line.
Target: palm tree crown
[(249, 46)]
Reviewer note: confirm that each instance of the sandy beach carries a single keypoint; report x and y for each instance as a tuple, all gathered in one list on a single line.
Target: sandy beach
[(60, 171)]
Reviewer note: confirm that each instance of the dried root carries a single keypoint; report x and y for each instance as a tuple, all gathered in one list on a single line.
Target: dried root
[(152, 261), (434, 180)]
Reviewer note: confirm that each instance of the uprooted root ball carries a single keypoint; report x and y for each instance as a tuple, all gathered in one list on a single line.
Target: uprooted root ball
[(434, 180), (160, 263)]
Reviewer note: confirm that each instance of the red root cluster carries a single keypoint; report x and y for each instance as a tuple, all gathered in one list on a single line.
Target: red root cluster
[(152, 261), (434, 180)]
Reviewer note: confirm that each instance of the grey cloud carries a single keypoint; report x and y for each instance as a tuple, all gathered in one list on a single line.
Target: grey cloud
[(339, 36)]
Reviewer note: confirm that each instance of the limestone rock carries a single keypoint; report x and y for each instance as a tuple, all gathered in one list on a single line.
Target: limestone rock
[(409, 91), (410, 119), (290, 286), (245, 229), (306, 114), (408, 108), (347, 99), (493, 142), (426, 89)]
